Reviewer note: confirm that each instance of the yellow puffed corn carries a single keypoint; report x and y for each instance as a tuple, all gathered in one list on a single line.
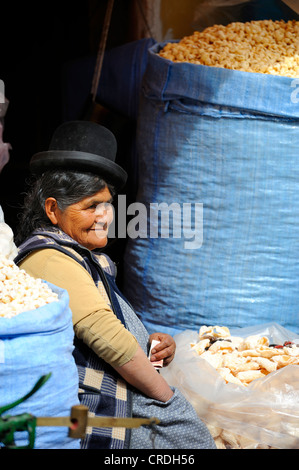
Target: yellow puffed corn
[(269, 47)]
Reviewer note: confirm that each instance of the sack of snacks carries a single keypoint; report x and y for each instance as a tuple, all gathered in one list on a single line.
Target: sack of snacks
[(36, 338), (244, 383), (218, 126)]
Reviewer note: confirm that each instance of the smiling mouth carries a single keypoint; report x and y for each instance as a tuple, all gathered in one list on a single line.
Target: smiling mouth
[(100, 227)]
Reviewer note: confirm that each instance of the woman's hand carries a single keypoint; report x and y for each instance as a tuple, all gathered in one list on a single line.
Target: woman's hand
[(164, 350)]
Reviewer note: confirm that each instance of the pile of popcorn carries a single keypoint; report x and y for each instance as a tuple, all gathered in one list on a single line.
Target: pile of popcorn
[(20, 292), (241, 360), (266, 46)]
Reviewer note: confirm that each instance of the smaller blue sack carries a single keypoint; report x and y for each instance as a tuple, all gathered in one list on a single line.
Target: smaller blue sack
[(120, 82), (32, 344)]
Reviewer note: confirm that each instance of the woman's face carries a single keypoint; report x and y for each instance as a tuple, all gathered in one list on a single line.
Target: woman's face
[(88, 220)]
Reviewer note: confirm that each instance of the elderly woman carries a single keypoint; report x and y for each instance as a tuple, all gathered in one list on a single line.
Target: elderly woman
[(63, 229)]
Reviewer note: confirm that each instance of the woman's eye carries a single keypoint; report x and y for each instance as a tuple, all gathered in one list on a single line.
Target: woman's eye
[(92, 207), (100, 206)]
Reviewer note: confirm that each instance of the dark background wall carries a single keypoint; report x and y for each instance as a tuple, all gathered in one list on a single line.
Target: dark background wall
[(37, 40)]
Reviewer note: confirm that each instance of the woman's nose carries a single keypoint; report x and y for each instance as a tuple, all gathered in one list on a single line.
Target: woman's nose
[(100, 213), (101, 210), (104, 211)]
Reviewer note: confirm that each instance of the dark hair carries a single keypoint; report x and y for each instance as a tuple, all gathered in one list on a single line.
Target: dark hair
[(67, 187)]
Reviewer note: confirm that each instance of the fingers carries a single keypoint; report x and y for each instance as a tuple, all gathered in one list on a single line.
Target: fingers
[(165, 349), (166, 355)]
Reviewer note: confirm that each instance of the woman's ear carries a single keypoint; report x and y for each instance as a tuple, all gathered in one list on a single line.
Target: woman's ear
[(51, 208)]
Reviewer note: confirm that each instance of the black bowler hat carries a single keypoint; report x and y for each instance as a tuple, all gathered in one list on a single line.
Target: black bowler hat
[(83, 146)]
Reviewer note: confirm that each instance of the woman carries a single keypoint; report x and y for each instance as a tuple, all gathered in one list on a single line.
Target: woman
[(63, 229)]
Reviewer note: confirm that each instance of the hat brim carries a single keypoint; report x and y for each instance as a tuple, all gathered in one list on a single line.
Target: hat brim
[(110, 171)]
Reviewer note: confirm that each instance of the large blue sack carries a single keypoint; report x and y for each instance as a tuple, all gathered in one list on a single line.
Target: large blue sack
[(33, 344), (228, 140)]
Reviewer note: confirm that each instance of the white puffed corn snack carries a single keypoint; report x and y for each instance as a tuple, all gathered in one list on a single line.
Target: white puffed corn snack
[(20, 292), (241, 361), (266, 46)]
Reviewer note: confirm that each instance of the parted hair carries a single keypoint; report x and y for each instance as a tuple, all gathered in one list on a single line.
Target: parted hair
[(67, 187)]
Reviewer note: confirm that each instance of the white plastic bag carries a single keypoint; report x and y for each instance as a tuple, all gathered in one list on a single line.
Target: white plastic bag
[(4, 147), (266, 412), (7, 245)]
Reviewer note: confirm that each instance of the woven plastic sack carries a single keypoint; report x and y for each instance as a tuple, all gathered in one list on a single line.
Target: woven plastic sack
[(228, 140), (33, 344), (120, 80), (263, 414)]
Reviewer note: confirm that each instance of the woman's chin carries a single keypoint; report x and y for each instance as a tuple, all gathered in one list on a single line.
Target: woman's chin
[(100, 238)]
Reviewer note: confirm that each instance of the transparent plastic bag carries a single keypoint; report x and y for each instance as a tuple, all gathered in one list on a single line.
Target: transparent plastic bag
[(263, 414)]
